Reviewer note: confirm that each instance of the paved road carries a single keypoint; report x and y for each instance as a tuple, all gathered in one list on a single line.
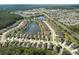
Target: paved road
[(64, 27), (52, 33), (30, 40), (62, 49), (12, 26), (63, 45), (3, 37), (57, 43)]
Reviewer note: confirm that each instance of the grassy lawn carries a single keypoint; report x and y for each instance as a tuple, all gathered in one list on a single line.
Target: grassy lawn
[(66, 52), (74, 28), (70, 38)]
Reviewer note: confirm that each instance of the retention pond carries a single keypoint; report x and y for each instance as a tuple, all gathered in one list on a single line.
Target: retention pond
[(32, 28)]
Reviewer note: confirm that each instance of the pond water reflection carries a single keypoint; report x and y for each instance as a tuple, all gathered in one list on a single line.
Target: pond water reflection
[(41, 17), (32, 28)]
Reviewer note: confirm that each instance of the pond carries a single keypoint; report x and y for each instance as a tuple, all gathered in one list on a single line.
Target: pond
[(32, 28), (41, 17)]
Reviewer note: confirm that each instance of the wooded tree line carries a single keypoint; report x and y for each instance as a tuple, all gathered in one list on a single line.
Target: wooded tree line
[(23, 51), (7, 19)]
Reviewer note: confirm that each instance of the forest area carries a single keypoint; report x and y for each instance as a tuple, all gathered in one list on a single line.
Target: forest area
[(7, 19)]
